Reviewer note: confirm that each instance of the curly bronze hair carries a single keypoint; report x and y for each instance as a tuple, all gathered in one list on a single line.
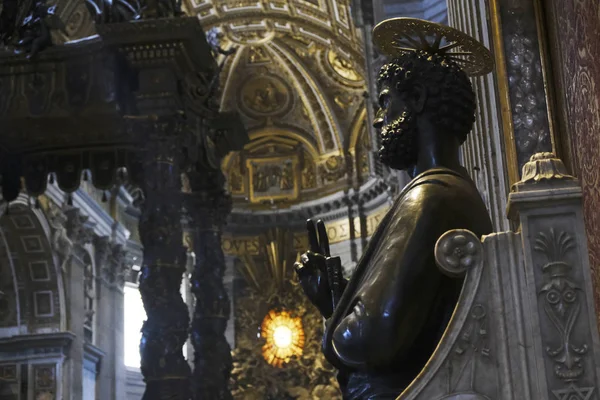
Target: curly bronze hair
[(451, 98)]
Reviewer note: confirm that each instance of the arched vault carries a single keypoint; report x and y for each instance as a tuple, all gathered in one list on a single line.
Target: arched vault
[(32, 295), (297, 75)]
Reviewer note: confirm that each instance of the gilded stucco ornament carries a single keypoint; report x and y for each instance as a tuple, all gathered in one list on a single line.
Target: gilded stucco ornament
[(266, 95), (298, 72), (342, 67)]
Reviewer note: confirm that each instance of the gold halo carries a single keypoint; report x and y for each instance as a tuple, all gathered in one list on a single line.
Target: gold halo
[(397, 36)]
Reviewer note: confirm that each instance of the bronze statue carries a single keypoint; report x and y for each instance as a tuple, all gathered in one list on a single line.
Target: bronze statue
[(25, 26), (385, 322), (34, 34)]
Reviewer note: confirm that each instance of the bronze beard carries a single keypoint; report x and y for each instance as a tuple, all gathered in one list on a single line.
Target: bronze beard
[(399, 146)]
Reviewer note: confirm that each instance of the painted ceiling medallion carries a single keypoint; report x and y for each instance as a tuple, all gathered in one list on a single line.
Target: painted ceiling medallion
[(342, 67), (265, 95), (397, 36)]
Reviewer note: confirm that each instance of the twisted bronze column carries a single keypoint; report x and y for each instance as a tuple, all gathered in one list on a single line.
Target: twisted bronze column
[(208, 206), (165, 331)]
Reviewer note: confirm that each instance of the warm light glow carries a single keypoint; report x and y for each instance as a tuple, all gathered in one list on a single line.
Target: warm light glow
[(284, 337)]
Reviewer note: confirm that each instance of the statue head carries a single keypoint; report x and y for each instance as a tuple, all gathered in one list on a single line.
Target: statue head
[(416, 87)]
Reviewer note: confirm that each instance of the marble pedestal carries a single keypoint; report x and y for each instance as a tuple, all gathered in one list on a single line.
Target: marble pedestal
[(525, 324)]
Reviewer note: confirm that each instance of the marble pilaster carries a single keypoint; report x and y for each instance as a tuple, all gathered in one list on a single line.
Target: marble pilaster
[(76, 234), (111, 262)]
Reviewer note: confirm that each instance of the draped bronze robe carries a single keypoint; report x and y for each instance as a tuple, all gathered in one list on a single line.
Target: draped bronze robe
[(398, 303)]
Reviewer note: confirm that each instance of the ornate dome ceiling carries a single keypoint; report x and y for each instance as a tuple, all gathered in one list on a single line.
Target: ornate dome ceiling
[(297, 79)]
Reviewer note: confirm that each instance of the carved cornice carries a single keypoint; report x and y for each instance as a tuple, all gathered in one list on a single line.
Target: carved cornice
[(50, 343), (377, 192)]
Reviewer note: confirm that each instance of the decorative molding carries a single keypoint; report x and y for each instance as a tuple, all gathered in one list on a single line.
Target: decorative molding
[(338, 231), (55, 343)]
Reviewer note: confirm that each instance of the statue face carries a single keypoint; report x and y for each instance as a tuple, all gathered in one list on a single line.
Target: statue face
[(397, 127)]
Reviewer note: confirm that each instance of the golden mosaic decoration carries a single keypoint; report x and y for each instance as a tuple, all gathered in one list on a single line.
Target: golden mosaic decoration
[(397, 36)]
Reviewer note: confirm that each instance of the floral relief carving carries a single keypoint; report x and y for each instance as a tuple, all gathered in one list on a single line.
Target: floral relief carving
[(471, 347), (561, 299), (457, 251)]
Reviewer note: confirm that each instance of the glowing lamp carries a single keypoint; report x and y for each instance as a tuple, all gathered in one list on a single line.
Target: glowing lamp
[(284, 337)]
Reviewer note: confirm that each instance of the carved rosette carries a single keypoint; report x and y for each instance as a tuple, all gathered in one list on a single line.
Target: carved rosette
[(165, 331), (208, 210), (457, 251)]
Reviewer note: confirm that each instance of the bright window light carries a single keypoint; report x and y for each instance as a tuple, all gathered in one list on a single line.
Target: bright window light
[(135, 315)]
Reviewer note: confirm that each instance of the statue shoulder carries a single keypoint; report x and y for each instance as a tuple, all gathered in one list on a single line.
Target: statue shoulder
[(445, 201), (443, 192), (444, 182)]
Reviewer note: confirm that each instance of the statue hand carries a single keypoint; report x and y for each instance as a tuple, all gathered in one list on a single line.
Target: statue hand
[(313, 269), (312, 272)]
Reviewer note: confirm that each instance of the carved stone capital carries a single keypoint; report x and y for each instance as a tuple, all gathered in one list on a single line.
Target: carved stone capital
[(70, 231), (111, 260), (545, 183), (120, 265), (101, 249), (543, 168), (78, 228)]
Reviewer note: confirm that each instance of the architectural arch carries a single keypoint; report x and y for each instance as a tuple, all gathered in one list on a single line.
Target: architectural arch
[(37, 283), (358, 128)]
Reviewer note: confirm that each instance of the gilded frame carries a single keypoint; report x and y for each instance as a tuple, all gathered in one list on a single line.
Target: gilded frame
[(290, 195), (510, 147)]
